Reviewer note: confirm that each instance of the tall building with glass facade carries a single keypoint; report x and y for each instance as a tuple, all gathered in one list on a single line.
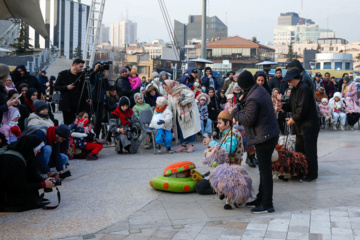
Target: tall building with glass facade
[(66, 23), (123, 33)]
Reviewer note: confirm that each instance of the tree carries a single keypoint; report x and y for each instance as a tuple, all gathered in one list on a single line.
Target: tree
[(290, 54), (21, 44), (318, 49), (77, 52), (254, 39)]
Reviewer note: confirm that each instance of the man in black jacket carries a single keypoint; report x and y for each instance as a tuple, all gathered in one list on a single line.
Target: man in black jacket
[(262, 130), (276, 82), (30, 80), (304, 118), (122, 84), (74, 94)]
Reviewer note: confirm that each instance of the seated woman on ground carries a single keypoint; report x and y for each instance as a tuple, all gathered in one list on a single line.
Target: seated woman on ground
[(20, 181), (124, 125), (30, 97)]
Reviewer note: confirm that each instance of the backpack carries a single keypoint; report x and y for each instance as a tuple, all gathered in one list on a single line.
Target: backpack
[(12, 152)]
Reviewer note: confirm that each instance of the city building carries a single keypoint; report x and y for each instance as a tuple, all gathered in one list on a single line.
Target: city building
[(333, 61), (235, 53), (66, 22), (162, 51), (215, 29), (292, 28), (123, 33), (190, 50), (104, 34)]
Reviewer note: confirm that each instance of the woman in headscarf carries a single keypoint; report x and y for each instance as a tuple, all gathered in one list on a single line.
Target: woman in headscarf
[(260, 78), (349, 87), (262, 130), (30, 97), (19, 179), (186, 117)]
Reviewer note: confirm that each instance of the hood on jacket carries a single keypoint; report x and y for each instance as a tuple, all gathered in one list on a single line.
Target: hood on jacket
[(183, 80), (12, 113), (162, 73), (147, 92), (202, 95), (138, 96)]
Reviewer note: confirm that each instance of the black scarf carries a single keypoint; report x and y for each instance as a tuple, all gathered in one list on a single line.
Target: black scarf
[(43, 115)]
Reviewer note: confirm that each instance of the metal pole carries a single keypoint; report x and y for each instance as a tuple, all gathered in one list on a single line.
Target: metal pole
[(203, 31)]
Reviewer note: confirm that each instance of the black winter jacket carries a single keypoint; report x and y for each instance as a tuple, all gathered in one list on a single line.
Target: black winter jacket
[(257, 116), (278, 83), (303, 108)]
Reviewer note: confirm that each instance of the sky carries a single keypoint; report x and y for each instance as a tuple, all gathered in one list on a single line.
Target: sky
[(244, 18)]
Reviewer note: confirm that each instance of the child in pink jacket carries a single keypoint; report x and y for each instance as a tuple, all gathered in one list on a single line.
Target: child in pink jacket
[(135, 81), (351, 111), (325, 110)]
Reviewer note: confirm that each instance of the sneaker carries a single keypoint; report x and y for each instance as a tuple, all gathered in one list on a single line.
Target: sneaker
[(206, 135), (334, 127), (91, 158), (253, 204), (190, 148), (351, 128), (332, 120), (262, 209), (159, 148), (168, 150), (249, 161), (306, 180), (342, 128), (181, 148)]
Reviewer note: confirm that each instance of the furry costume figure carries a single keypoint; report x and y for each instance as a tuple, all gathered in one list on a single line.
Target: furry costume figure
[(228, 180), (288, 163)]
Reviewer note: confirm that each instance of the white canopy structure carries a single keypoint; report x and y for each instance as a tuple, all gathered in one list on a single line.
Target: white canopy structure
[(26, 10)]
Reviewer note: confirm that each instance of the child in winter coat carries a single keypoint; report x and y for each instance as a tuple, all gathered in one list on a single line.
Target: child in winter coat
[(206, 123), (135, 81), (82, 125), (229, 101), (338, 108), (163, 133), (140, 104), (351, 111), (41, 115), (325, 110), (10, 128)]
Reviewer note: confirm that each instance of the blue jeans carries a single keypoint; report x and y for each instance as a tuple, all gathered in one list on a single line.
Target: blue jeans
[(341, 115), (42, 159), (207, 128), (190, 139), (167, 136)]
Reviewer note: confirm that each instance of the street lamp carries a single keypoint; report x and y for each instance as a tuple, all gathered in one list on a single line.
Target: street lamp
[(200, 63)]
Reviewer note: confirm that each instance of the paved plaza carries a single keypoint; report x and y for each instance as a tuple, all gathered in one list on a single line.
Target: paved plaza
[(111, 199)]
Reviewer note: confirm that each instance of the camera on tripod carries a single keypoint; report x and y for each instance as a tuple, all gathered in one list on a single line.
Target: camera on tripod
[(104, 65)]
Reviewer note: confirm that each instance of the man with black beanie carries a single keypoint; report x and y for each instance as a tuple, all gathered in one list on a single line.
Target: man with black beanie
[(262, 130)]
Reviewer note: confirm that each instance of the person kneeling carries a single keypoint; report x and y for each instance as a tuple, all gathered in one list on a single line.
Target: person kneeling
[(123, 123)]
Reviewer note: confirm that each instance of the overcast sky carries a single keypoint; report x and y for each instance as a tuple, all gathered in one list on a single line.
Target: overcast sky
[(243, 18)]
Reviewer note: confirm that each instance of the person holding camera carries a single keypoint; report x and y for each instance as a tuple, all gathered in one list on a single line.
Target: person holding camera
[(74, 97), (262, 130), (99, 84), (305, 119), (19, 179)]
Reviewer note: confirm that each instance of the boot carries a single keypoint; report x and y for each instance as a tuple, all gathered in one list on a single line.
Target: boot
[(342, 127), (255, 160), (250, 162), (334, 127)]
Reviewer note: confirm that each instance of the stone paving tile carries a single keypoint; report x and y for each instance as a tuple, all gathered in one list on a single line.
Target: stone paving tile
[(298, 235)]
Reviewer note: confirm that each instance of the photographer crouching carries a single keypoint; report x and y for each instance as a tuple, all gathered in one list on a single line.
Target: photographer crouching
[(305, 119), (261, 130), (99, 84)]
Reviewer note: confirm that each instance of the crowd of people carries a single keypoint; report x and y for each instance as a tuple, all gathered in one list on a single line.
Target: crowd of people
[(181, 109)]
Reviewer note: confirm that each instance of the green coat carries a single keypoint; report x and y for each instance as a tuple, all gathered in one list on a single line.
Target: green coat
[(141, 107)]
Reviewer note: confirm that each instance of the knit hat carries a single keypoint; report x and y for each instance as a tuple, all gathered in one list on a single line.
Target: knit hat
[(142, 88), (229, 96), (123, 69), (337, 94), (203, 95), (225, 114), (153, 75), (138, 96), (162, 101), (112, 88), (124, 101), (246, 80), (30, 92), (133, 71), (347, 94), (236, 86), (39, 105), (324, 100), (4, 70), (63, 131)]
